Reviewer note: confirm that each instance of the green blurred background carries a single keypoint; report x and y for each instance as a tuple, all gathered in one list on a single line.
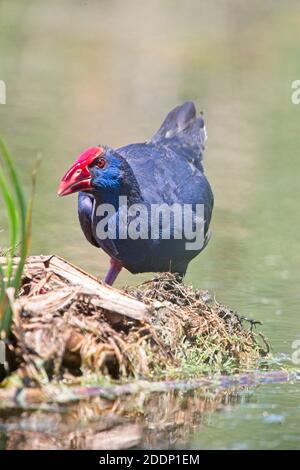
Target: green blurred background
[(82, 73)]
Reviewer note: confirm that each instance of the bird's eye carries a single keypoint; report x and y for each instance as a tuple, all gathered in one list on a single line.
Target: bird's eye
[(101, 163)]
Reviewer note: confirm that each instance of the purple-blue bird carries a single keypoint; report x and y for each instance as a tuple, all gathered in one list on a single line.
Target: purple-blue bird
[(167, 170)]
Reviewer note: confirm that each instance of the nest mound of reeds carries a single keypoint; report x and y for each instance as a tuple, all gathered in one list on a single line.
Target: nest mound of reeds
[(67, 324)]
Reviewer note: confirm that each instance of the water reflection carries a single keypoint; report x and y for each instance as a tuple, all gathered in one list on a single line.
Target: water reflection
[(144, 421)]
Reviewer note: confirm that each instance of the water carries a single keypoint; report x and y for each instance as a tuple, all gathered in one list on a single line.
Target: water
[(107, 72)]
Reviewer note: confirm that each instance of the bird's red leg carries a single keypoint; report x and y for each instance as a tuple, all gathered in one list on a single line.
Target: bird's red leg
[(112, 273)]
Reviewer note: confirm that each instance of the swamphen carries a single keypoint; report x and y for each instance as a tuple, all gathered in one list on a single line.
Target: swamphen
[(168, 170)]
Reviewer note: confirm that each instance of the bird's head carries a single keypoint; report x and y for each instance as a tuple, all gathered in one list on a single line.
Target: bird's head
[(98, 168)]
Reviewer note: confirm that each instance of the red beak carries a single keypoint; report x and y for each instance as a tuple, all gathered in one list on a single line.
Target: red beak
[(78, 177)]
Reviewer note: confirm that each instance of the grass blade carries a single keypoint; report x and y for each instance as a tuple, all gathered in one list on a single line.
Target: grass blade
[(30, 204), (22, 210), (14, 179), (19, 217), (2, 291), (13, 222)]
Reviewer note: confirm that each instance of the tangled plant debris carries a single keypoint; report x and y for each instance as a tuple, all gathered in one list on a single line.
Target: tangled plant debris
[(203, 335), (68, 326)]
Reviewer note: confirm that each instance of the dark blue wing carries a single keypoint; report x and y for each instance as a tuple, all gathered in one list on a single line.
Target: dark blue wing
[(85, 213), (164, 176), (169, 168)]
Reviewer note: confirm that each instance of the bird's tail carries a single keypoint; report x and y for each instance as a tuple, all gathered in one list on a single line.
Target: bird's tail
[(183, 128)]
